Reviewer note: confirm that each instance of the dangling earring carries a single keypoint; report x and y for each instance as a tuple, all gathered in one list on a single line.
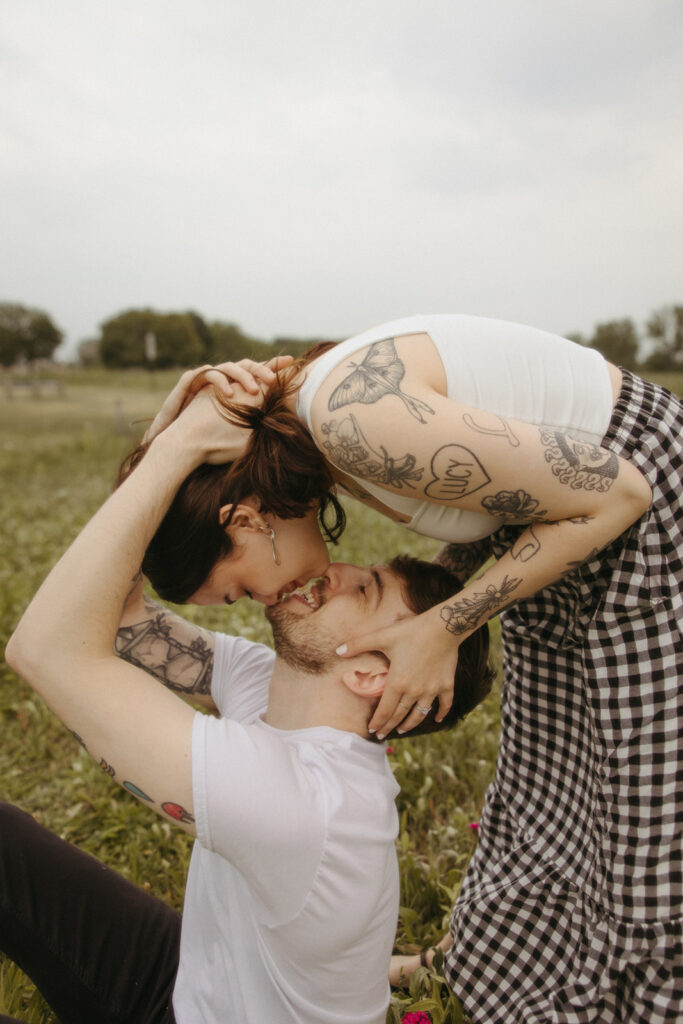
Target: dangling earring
[(270, 533)]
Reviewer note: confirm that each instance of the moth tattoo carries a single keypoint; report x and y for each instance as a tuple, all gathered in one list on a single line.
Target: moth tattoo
[(349, 449), (379, 374)]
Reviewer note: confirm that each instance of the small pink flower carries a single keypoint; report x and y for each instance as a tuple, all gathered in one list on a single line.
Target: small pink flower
[(415, 1018), (474, 825), (390, 750)]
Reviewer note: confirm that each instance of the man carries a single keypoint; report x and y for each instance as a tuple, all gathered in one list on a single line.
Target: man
[(292, 894)]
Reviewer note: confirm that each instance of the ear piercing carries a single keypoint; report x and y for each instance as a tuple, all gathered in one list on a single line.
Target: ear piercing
[(270, 533)]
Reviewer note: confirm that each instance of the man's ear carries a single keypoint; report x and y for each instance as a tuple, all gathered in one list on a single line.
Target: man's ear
[(246, 515), (366, 676)]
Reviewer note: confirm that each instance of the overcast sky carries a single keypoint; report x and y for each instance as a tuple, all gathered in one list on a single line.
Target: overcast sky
[(312, 168)]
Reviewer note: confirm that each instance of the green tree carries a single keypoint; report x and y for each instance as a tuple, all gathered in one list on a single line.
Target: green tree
[(144, 337), (229, 342), (618, 342), (665, 329), (26, 334)]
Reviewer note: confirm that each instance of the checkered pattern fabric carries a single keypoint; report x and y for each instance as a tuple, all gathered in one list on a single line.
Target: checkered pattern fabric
[(571, 908)]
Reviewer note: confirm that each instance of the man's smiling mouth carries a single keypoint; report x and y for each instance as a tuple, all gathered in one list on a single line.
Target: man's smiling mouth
[(312, 594)]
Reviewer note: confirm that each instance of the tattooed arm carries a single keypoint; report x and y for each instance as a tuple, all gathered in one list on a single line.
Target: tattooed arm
[(64, 644), (463, 560), (175, 651), (408, 438)]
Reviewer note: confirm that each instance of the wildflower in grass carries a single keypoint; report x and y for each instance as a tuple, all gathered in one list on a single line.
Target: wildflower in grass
[(474, 825), (390, 750), (416, 1018)]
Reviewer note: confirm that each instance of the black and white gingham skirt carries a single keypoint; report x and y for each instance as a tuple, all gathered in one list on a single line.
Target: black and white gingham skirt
[(571, 907)]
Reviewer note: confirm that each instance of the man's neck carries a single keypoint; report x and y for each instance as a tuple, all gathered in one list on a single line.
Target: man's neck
[(299, 700)]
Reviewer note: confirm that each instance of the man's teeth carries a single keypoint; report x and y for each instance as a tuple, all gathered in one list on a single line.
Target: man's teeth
[(306, 593)]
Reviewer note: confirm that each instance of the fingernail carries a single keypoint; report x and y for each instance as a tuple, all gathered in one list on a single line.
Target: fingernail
[(341, 650), (372, 730), (400, 731), (380, 735)]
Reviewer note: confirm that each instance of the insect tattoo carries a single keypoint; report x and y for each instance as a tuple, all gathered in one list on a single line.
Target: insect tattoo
[(349, 449), (379, 374), (456, 472), (468, 612), (579, 464), (513, 505), (502, 430)]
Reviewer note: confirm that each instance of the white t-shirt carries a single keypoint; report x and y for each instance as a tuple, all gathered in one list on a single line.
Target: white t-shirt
[(292, 896)]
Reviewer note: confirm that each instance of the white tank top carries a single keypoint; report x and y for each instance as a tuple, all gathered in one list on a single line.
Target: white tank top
[(509, 369)]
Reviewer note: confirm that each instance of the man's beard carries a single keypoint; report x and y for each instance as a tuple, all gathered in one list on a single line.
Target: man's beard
[(298, 641)]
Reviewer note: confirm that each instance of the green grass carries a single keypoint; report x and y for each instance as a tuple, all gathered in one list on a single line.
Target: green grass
[(58, 457)]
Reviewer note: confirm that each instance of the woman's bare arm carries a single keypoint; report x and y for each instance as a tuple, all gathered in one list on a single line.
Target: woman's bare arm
[(573, 496), (463, 560)]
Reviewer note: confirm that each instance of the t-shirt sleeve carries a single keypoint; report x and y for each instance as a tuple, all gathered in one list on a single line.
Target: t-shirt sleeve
[(260, 807), (241, 677)]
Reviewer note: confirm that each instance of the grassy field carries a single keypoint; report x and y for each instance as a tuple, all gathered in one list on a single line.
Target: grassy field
[(58, 457)]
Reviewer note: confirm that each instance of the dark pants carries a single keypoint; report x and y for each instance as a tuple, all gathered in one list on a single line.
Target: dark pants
[(97, 948)]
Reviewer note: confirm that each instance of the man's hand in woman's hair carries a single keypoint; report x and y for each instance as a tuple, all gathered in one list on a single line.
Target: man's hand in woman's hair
[(247, 374)]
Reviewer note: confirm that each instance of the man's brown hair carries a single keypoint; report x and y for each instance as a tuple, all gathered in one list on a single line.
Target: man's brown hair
[(425, 584)]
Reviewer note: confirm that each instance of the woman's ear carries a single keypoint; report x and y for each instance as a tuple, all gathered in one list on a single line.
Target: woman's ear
[(245, 516), (367, 676)]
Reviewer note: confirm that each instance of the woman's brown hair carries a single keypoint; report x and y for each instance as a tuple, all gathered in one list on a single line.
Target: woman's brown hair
[(281, 467)]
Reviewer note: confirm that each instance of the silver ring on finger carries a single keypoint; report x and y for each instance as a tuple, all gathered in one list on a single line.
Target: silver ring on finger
[(424, 711)]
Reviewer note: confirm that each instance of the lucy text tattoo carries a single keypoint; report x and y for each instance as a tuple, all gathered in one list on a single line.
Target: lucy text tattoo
[(456, 472)]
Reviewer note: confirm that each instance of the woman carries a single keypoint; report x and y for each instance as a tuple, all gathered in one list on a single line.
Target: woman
[(503, 440)]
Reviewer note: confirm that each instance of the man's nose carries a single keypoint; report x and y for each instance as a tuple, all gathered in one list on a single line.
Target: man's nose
[(341, 576)]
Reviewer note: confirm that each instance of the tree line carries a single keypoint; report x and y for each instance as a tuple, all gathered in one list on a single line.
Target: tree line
[(148, 338)]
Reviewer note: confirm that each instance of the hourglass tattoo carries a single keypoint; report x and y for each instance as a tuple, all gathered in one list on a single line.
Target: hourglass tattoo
[(379, 374), (349, 449), (160, 647)]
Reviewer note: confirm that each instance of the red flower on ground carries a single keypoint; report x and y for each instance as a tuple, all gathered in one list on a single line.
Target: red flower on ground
[(416, 1018)]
